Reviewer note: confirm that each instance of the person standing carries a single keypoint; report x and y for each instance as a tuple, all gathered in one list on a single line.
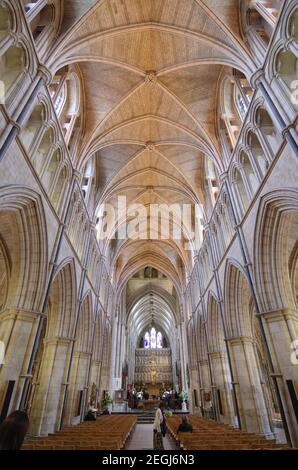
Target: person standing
[(13, 431), (185, 426), (157, 428)]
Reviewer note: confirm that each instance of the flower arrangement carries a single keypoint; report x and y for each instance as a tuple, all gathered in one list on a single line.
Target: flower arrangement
[(106, 400), (184, 395), (168, 413)]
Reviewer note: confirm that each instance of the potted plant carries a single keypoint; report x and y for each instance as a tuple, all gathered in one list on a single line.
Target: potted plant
[(184, 398), (107, 401)]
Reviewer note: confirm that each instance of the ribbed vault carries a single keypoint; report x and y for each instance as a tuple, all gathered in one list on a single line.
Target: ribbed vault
[(150, 72), (151, 304)]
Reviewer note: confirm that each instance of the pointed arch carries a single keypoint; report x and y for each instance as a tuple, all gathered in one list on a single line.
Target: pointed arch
[(62, 301), (274, 241), (202, 343), (237, 301), (98, 337), (84, 331), (214, 325), (23, 232)]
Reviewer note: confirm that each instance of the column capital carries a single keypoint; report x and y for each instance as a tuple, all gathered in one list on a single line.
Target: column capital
[(76, 174), (14, 313), (256, 77), (216, 354), (81, 354), (15, 124), (58, 341), (26, 376), (14, 36), (278, 314), (206, 226), (46, 125), (288, 129), (45, 74), (290, 44), (223, 176), (240, 340), (203, 362)]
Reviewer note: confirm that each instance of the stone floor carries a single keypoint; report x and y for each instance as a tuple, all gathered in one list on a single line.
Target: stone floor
[(142, 438)]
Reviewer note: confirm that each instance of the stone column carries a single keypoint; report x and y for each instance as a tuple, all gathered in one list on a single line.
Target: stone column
[(122, 350), (95, 368), (17, 332), (251, 401), (195, 385), (222, 379), (183, 343), (121, 347), (47, 402), (20, 114), (114, 346), (284, 123), (281, 328), (205, 384), (256, 44), (35, 10), (78, 381)]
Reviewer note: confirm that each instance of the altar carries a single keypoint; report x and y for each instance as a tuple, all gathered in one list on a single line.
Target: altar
[(148, 404), (153, 389)]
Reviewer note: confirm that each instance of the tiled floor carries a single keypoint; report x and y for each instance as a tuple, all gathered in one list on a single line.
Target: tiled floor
[(142, 438)]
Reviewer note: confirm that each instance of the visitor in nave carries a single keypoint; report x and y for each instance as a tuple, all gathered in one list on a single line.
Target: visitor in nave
[(185, 426), (13, 431), (157, 428)]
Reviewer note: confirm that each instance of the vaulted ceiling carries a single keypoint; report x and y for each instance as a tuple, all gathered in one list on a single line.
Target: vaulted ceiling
[(150, 72), (151, 302)]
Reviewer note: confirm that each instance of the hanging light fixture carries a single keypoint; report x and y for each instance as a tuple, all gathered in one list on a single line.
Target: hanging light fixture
[(152, 311)]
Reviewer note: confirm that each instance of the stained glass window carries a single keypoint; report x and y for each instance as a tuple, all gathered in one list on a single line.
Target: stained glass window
[(153, 340), (159, 340), (147, 340)]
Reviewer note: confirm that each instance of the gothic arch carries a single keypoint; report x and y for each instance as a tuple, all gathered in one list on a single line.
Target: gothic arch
[(241, 336), (84, 330), (214, 325), (148, 289), (237, 301), (285, 35), (12, 20), (62, 301), (217, 350), (23, 233), (80, 362), (148, 259), (47, 402), (274, 243), (202, 343), (5, 269), (96, 356)]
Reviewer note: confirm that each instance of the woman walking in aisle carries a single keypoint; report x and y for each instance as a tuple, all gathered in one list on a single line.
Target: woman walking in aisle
[(157, 428)]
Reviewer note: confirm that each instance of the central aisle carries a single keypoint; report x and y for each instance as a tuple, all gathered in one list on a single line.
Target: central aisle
[(142, 439)]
